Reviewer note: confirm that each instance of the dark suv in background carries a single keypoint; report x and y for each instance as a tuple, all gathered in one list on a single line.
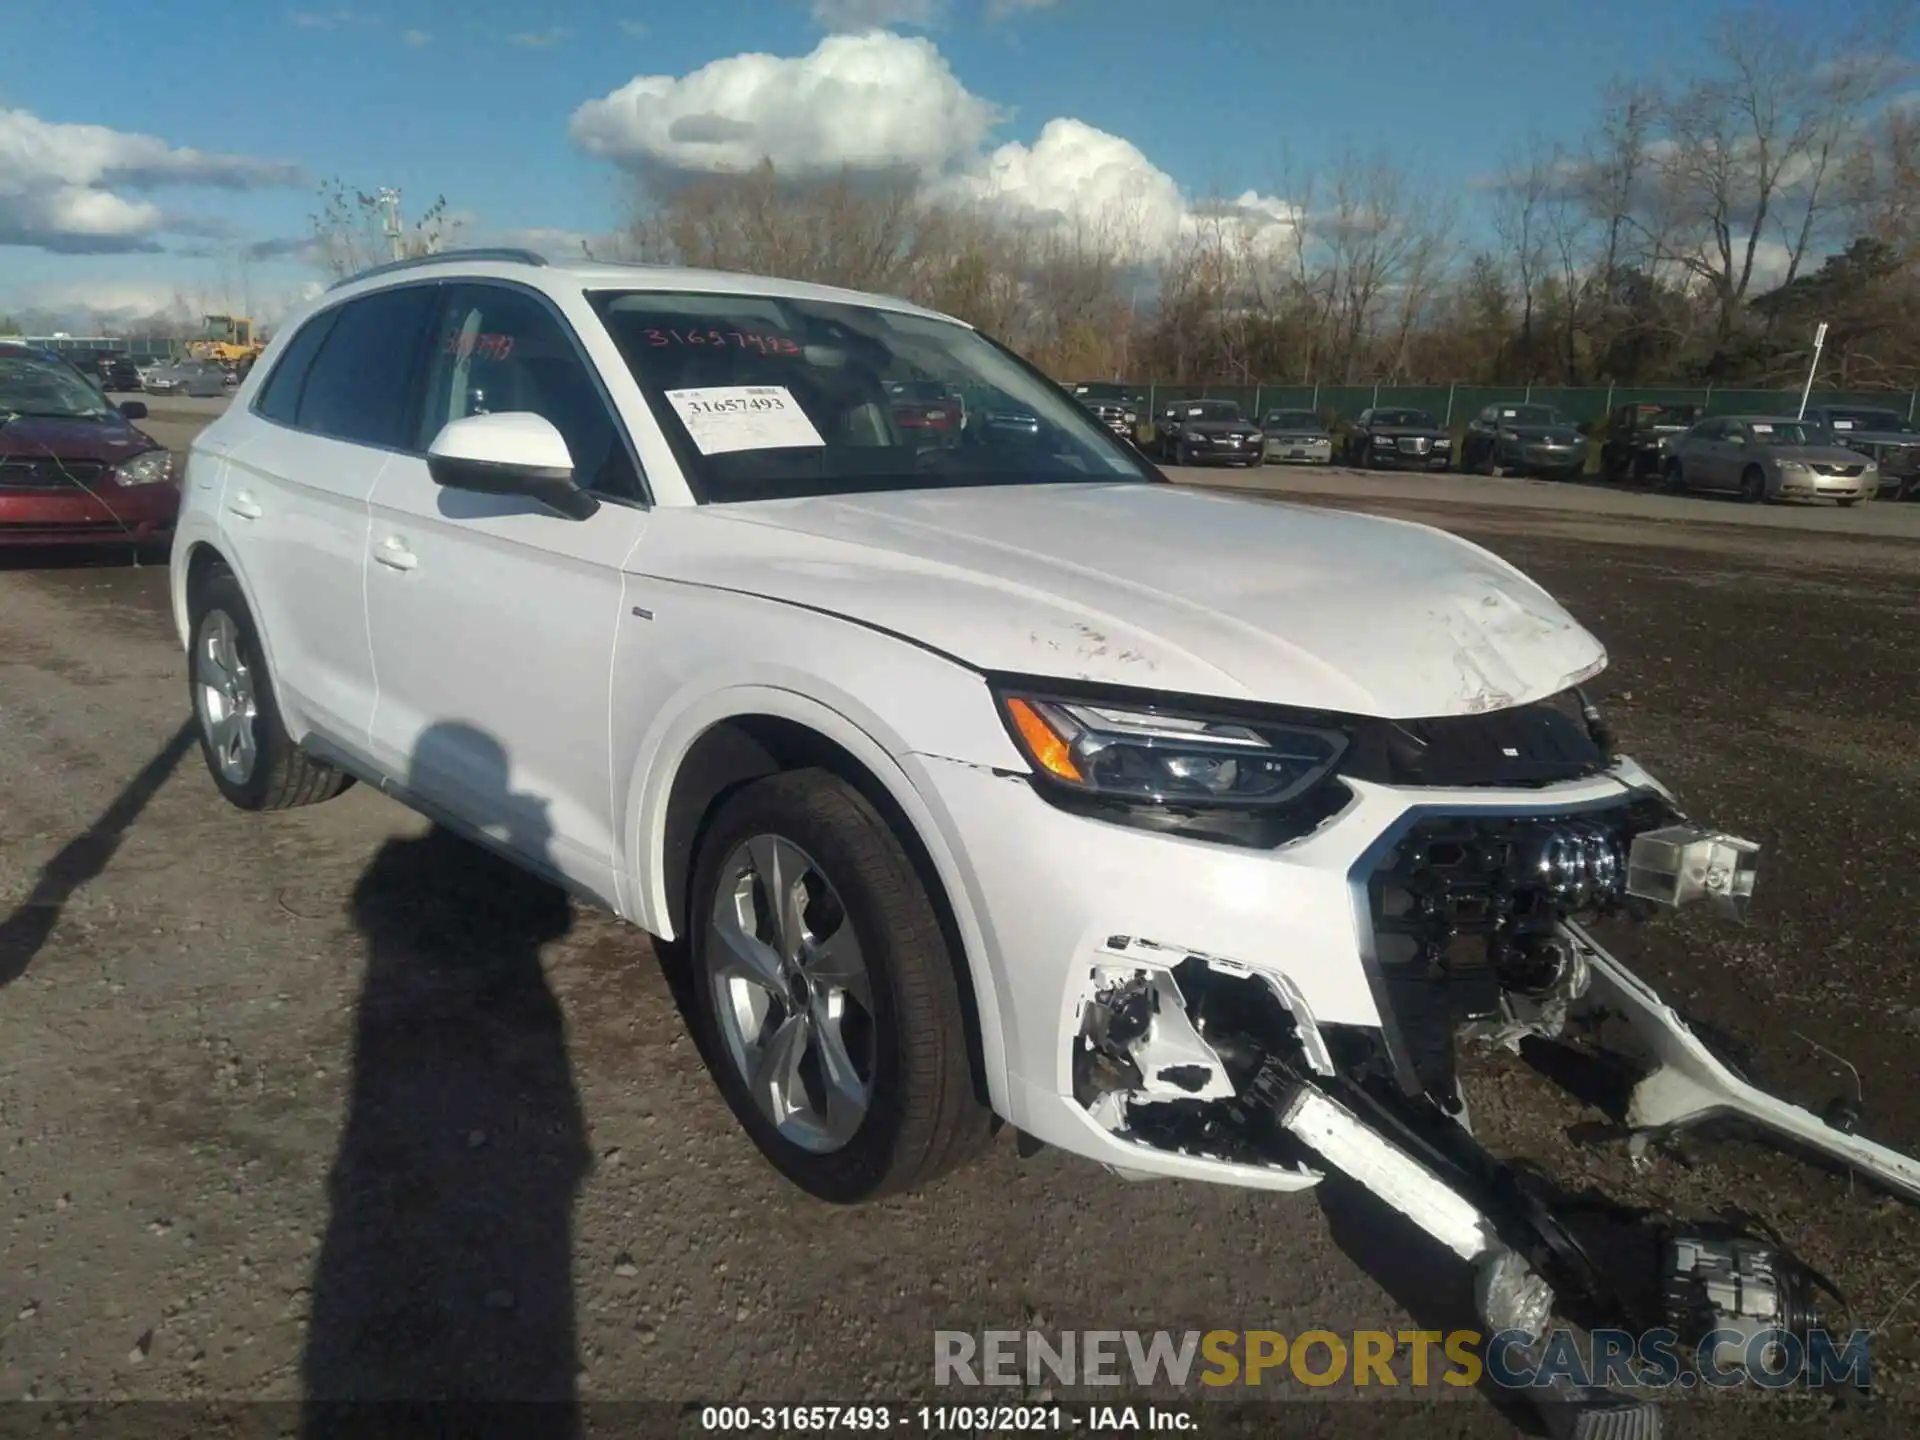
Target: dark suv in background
[(1110, 402), (1638, 436)]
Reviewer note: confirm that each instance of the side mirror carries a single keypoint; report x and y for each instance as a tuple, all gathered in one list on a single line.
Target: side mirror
[(133, 409), (512, 453)]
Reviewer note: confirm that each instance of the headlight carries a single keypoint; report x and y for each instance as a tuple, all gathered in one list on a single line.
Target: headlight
[(149, 468), (1129, 417), (1160, 757), (1793, 467)]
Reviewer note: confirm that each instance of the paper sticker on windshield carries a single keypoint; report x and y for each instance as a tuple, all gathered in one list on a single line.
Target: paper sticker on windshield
[(725, 418), (1763, 429), (1843, 424)]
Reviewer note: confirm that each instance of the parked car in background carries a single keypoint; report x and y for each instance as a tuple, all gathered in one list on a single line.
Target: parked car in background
[(1109, 402), (112, 369), (1297, 437), (1635, 449), (1886, 437), (1769, 457), (188, 377), (1207, 432), (1523, 440), (73, 470), (1391, 436), (928, 410)]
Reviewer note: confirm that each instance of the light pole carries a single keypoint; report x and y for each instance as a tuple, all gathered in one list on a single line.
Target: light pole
[(390, 207), (1819, 339)]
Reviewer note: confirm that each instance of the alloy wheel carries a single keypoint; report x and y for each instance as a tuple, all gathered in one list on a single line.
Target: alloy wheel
[(224, 691), (791, 993)]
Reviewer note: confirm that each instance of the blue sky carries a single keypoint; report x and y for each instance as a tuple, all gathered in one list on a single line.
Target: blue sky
[(474, 101)]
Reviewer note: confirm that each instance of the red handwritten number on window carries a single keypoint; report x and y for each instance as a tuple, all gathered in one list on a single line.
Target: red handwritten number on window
[(488, 347), (725, 339)]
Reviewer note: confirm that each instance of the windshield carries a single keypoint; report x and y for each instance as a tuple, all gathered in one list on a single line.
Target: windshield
[(1667, 414), (1531, 415), (1293, 420), (766, 397), (1404, 417), (1890, 421), (1786, 432), (48, 388)]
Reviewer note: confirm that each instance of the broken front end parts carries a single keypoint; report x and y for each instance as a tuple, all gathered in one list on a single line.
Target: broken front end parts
[(1475, 928)]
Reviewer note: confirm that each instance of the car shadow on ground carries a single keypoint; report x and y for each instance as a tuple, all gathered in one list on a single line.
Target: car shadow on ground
[(445, 1273), (25, 931)]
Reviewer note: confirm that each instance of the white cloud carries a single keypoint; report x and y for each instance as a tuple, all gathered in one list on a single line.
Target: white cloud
[(540, 39), (638, 29), (861, 15), (877, 102), (66, 187), (415, 38)]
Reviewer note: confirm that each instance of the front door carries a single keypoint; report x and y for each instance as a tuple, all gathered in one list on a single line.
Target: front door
[(492, 618)]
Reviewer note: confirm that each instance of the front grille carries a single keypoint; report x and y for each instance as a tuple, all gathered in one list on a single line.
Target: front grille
[(1408, 444), (1465, 906), (42, 472), (1847, 472)]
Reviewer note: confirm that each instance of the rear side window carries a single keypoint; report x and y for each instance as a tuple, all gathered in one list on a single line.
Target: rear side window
[(359, 385), (280, 396)]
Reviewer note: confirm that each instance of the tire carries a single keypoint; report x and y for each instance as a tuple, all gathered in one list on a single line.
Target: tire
[(900, 1033), (227, 675), (1366, 456), (1753, 486), (1674, 479), (1848, 504)]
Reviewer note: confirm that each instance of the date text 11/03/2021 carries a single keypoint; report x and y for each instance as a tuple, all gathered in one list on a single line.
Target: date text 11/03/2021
[(947, 1419)]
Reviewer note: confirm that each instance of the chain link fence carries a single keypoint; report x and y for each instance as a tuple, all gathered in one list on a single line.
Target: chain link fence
[(1455, 405)]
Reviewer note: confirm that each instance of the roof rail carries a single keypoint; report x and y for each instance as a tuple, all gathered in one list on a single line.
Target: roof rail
[(506, 253)]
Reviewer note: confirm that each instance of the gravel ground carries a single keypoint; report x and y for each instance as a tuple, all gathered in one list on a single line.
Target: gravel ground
[(324, 1104)]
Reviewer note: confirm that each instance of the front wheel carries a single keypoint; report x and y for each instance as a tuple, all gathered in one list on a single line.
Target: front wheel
[(825, 994), (1849, 503), (1753, 486), (253, 761)]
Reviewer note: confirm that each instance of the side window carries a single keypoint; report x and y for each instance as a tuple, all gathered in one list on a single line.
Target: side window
[(497, 349), (359, 385), (280, 396)]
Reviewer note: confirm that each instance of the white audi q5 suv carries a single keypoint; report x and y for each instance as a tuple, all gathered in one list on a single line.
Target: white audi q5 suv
[(979, 773)]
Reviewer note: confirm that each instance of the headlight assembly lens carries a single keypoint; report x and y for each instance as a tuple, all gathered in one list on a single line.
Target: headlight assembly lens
[(149, 468), (1170, 758)]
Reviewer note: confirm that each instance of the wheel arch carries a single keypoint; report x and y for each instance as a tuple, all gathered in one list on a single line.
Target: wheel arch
[(748, 733)]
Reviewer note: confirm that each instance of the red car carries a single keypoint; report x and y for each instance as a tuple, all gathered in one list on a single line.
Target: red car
[(929, 407), (72, 469)]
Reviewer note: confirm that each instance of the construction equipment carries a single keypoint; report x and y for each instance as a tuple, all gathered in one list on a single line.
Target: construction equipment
[(228, 339)]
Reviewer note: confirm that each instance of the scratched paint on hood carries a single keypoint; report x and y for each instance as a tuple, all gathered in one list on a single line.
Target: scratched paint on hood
[(1156, 586)]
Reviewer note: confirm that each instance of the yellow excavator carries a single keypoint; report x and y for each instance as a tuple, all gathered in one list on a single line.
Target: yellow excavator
[(228, 339)]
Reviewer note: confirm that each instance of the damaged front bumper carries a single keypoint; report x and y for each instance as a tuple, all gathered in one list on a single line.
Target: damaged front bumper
[(1269, 1018)]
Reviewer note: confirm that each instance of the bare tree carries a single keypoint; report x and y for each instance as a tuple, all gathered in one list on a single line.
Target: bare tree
[(349, 230), (1521, 220)]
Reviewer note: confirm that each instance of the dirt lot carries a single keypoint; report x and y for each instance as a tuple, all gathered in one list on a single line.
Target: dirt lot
[(317, 1103)]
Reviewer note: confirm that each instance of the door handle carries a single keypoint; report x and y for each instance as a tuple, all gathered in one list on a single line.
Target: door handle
[(245, 506), (393, 552)]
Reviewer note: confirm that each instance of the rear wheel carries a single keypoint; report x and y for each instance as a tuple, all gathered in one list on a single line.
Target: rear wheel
[(252, 760), (826, 996)]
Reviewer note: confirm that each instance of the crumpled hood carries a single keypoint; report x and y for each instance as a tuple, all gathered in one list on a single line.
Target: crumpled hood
[(1155, 586)]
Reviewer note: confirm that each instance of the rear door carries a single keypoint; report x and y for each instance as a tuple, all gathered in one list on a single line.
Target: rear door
[(295, 502), (492, 618)]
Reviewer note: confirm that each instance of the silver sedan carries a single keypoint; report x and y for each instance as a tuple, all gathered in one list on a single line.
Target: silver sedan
[(188, 377), (1766, 457)]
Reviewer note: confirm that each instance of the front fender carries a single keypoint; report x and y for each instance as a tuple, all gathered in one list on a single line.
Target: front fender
[(881, 699)]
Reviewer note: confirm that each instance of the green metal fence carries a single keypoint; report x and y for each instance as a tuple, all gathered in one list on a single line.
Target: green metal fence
[(1454, 405)]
